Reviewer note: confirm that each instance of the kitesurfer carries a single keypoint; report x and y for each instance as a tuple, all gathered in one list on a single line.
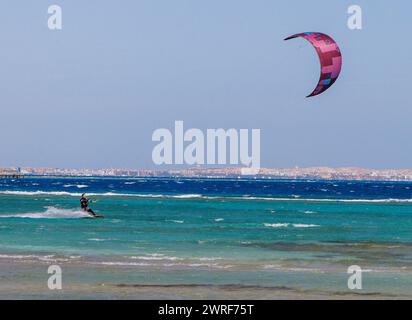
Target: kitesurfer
[(84, 204)]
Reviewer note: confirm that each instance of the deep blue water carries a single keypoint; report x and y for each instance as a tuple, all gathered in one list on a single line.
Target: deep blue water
[(218, 187)]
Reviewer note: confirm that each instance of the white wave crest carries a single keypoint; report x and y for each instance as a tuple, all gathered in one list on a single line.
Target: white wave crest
[(156, 258), (276, 225), (79, 186), (50, 213), (175, 221), (189, 196), (303, 225), (39, 193), (295, 225)]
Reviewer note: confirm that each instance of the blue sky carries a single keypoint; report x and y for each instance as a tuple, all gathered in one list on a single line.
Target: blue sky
[(92, 94)]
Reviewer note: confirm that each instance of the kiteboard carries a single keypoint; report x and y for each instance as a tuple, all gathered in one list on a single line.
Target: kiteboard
[(94, 217)]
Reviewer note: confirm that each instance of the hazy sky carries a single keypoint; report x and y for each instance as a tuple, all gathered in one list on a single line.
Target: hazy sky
[(92, 94)]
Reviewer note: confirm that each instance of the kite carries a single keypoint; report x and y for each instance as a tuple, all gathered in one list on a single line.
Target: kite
[(330, 59)]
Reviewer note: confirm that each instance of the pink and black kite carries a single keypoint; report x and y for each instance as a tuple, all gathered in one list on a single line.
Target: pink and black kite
[(330, 59)]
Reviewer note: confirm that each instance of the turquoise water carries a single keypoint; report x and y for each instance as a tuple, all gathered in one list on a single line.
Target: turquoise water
[(155, 234)]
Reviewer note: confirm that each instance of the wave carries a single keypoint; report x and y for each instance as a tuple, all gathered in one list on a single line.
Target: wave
[(199, 196), (164, 265), (50, 213), (161, 260), (73, 194), (276, 225), (175, 221), (156, 257), (188, 196), (295, 225), (79, 186), (125, 264), (17, 256), (38, 257), (303, 225), (39, 193), (104, 194)]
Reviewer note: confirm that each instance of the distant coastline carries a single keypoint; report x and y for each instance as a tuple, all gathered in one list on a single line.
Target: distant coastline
[(309, 173)]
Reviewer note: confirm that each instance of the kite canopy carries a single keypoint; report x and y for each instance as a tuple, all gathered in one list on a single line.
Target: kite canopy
[(330, 59)]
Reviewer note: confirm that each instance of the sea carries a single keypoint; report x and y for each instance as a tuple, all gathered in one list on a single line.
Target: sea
[(195, 238)]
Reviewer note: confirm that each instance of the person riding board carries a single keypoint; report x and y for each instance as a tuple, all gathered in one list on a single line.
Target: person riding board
[(84, 204)]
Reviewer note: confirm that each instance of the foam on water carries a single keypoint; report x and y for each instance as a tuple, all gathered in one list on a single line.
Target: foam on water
[(276, 225), (50, 213), (40, 193), (175, 221), (303, 225), (188, 196), (155, 258), (79, 186), (295, 225), (199, 196)]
